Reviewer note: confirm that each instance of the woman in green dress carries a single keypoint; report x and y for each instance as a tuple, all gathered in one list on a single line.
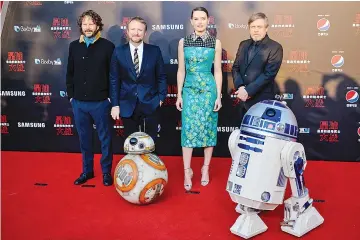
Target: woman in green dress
[(199, 93)]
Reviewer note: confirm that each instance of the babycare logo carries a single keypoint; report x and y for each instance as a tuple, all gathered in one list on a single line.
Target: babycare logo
[(48, 62), (27, 29), (237, 26)]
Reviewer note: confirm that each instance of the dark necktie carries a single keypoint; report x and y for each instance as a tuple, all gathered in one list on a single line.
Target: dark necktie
[(252, 50), (136, 62)]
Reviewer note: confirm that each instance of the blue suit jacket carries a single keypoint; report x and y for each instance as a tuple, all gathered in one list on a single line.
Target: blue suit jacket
[(126, 89), (257, 74)]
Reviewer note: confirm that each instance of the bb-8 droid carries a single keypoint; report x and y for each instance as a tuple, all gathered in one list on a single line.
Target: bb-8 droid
[(140, 176)]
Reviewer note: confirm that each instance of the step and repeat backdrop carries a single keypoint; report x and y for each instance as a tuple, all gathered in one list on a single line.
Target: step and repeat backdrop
[(319, 77)]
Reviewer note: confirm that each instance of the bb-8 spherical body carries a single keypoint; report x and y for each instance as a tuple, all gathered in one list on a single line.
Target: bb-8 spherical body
[(140, 176)]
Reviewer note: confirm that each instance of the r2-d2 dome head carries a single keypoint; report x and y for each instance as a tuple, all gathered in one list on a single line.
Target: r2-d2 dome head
[(139, 143), (271, 118)]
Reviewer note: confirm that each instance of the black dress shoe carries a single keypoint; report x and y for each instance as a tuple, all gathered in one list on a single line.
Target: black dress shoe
[(83, 178), (107, 179)]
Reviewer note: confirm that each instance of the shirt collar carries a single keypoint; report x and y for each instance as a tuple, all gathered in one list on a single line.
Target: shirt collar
[(89, 41), (97, 36), (203, 37), (140, 47)]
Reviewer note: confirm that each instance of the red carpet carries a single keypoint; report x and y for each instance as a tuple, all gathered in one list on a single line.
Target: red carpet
[(63, 211)]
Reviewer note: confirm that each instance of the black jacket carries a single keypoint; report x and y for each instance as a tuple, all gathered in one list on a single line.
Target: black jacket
[(257, 74), (87, 77)]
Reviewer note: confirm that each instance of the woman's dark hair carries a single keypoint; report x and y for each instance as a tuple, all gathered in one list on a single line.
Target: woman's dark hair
[(94, 16), (199, 9)]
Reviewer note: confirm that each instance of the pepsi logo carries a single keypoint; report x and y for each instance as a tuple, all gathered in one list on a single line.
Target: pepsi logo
[(352, 96), (358, 131), (323, 25), (337, 61)]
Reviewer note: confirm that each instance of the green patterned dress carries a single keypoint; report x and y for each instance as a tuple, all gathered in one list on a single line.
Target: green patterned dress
[(199, 121)]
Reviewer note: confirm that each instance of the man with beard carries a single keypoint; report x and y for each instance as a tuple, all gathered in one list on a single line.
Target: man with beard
[(87, 83), (137, 82)]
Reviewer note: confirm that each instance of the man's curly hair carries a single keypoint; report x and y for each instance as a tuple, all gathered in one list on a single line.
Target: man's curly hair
[(94, 16)]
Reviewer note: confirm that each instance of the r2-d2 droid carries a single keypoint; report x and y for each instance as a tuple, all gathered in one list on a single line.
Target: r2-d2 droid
[(264, 155)]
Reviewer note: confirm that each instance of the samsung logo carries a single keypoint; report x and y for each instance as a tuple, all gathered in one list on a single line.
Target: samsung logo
[(226, 129), (31, 125), (168, 27), (13, 93), (173, 61)]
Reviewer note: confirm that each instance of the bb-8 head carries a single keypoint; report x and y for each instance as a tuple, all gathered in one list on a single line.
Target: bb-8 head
[(139, 143)]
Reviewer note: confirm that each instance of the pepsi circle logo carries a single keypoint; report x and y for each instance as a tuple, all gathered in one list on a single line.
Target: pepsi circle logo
[(337, 61), (352, 96), (323, 25), (359, 131)]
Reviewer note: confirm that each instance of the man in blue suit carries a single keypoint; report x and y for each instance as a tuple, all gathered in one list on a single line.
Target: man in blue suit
[(257, 63), (137, 82)]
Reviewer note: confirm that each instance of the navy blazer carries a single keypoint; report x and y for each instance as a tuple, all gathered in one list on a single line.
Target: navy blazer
[(148, 89), (257, 74)]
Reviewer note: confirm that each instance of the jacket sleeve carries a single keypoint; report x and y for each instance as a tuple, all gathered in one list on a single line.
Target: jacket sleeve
[(114, 86), (238, 81), (161, 76), (70, 74)]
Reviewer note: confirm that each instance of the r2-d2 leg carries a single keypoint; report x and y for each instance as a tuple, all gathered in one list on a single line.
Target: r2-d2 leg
[(300, 215), (248, 224)]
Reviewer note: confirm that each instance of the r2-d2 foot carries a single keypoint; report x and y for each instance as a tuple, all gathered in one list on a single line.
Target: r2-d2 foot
[(248, 224), (300, 216)]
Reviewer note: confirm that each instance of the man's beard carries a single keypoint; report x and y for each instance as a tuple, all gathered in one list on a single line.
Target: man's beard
[(92, 35), (137, 41)]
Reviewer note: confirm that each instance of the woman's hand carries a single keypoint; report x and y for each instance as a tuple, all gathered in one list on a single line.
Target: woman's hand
[(179, 104), (217, 104)]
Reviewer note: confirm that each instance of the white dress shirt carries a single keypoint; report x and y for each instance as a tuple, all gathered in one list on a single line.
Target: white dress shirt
[(139, 52)]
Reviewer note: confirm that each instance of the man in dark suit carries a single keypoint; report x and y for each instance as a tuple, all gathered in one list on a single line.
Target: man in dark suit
[(87, 83), (137, 82), (257, 63)]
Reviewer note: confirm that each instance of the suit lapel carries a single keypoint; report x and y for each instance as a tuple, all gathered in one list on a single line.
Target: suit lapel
[(129, 59), (246, 55), (145, 57)]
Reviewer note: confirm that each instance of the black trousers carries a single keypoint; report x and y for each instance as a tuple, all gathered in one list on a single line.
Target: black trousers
[(141, 122)]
